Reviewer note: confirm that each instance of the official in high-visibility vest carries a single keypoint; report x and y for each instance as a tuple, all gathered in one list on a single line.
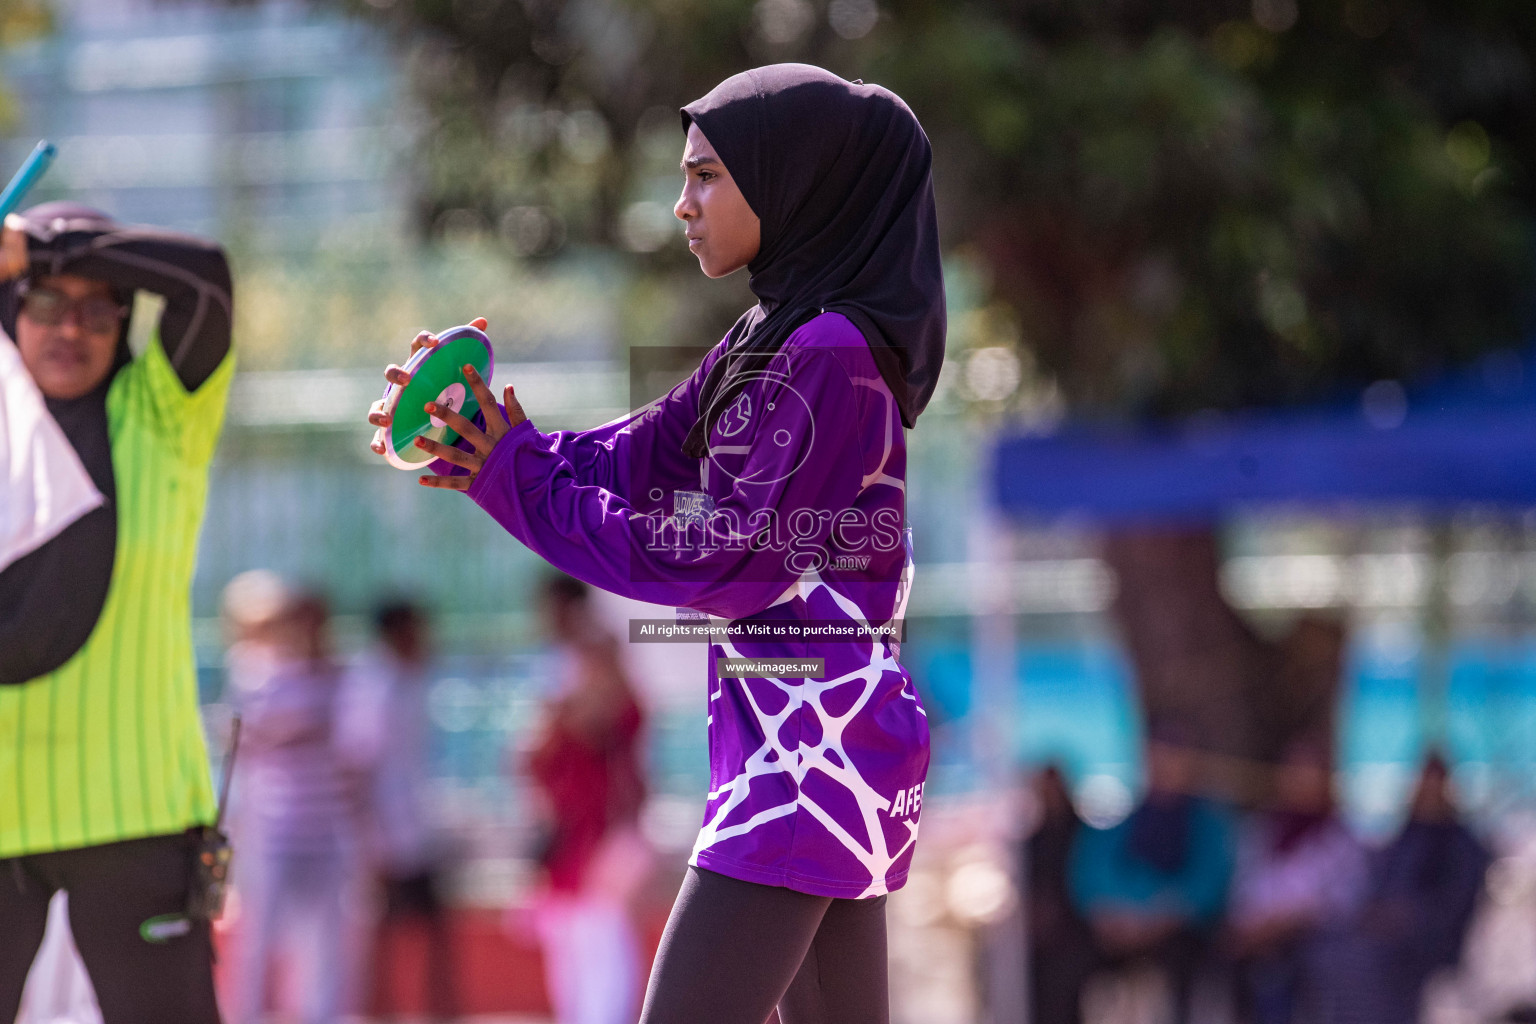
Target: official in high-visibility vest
[(104, 778)]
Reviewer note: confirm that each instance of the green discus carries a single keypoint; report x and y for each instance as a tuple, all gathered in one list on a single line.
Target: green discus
[(437, 375)]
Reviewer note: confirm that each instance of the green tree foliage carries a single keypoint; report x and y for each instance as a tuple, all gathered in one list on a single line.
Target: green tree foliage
[(20, 21), (1178, 204), (1195, 204), (547, 119)]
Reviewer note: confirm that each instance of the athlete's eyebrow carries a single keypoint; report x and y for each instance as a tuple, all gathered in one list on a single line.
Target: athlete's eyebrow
[(695, 162)]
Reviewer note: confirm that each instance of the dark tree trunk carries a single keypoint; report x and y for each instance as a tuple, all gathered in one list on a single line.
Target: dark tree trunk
[(1199, 663)]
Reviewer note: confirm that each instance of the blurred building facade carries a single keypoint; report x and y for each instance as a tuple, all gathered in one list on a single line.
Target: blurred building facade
[(269, 125)]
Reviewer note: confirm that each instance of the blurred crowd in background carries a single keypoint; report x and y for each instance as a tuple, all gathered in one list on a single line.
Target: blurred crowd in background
[(1270, 914), (1293, 740), (332, 813)]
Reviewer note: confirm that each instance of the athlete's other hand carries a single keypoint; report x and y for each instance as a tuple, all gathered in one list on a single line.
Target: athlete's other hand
[(377, 414), (496, 427), (13, 249)]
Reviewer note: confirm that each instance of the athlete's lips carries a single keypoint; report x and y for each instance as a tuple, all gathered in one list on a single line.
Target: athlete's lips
[(694, 240)]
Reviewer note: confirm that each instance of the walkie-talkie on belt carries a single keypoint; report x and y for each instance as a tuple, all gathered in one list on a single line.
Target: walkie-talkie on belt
[(211, 852), (208, 877)]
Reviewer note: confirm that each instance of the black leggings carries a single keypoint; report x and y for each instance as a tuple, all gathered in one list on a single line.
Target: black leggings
[(733, 950), (113, 889)]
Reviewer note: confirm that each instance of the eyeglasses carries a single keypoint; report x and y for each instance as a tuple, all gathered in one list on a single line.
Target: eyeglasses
[(51, 307)]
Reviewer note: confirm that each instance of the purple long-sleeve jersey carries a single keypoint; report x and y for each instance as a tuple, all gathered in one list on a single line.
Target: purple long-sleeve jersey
[(792, 525)]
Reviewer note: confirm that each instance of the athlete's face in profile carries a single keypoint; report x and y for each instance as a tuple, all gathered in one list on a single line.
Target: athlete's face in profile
[(722, 230), (67, 334)]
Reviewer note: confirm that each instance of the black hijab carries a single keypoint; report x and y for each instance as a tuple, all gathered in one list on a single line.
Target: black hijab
[(51, 598), (838, 173)]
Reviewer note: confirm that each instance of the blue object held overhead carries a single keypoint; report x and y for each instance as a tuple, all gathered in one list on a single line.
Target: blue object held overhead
[(36, 163), (1470, 439)]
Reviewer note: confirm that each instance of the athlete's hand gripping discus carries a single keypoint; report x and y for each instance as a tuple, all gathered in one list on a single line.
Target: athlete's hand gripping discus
[(437, 375), (42, 155)]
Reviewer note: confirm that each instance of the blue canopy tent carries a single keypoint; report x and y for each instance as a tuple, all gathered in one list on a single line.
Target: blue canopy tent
[(1470, 438)]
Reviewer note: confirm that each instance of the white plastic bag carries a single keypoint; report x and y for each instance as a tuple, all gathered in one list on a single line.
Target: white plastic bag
[(43, 485)]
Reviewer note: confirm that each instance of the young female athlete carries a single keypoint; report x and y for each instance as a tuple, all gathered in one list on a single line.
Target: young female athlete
[(768, 490)]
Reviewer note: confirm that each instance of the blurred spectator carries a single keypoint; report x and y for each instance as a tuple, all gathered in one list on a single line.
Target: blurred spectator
[(1153, 886), (1060, 944), (1299, 874), (584, 762), (296, 821), (1424, 888), (382, 736), (254, 607)]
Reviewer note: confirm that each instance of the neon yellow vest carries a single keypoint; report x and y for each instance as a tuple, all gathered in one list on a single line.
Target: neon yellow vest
[(110, 745)]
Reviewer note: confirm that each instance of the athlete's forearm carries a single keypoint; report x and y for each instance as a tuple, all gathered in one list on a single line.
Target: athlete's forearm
[(800, 474), (643, 453)]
